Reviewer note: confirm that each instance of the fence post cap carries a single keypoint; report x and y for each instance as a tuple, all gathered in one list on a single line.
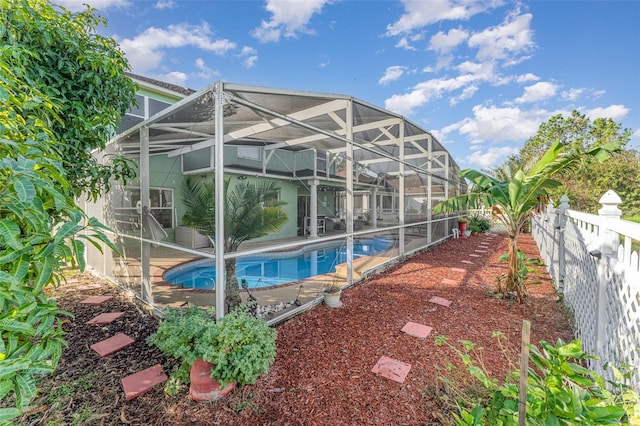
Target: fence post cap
[(564, 202), (610, 201)]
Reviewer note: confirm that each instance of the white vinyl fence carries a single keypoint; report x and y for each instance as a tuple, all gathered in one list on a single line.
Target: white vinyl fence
[(594, 262)]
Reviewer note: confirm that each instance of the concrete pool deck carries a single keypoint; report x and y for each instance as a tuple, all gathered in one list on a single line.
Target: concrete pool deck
[(307, 290)]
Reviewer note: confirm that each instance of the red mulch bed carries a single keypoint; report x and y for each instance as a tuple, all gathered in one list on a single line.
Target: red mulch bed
[(322, 373)]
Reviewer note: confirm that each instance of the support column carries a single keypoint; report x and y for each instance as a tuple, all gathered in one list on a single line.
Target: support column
[(218, 92), (349, 182), (373, 211), (401, 198), (145, 250), (430, 192), (313, 209)]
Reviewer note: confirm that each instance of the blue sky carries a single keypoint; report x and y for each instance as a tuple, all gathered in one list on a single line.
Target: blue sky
[(480, 75)]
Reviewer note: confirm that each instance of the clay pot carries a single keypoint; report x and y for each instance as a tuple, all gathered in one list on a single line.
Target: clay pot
[(203, 387)]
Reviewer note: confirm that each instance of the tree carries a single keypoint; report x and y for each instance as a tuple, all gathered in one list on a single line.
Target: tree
[(84, 72), (518, 196), (250, 211), (585, 184), (41, 227)]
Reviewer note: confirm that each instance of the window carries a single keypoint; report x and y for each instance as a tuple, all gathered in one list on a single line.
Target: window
[(146, 108)]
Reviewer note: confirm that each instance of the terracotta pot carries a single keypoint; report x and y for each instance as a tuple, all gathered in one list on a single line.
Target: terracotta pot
[(462, 226), (203, 387)]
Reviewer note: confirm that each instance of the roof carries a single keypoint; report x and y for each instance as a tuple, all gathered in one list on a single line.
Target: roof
[(162, 84)]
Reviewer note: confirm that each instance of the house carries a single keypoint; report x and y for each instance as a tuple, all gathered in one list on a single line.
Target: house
[(347, 170)]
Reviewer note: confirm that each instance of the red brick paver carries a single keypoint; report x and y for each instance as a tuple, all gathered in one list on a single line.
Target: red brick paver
[(440, 301), (96, 300), (107, 318), (417, 330), (391, 369), (112, 344), (139, 383)]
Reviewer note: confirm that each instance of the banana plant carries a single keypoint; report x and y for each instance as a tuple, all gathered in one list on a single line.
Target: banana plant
[(519, 197)]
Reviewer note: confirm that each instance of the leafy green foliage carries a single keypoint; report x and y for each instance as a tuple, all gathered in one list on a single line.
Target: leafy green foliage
[(177, 336), (525, 265), (63, 55), (41, 227), (519, 196), (585, 184), (251, 210), (479, 224), (560, 391), (240, 346)]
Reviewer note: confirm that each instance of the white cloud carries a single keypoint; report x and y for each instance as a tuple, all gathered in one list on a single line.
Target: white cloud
[(146, 50), (444, 43), (204, 72), (436, 88), (423, 92), (249, 56), (572, 94), (490, 158), (288, 18), (403, 43), (527, 78), (615, 112), (490, 123), (165, 4), (175, 77), (538, 92), (509, 41), (77, 5), (420, 13), (467, 93), (392, 73)]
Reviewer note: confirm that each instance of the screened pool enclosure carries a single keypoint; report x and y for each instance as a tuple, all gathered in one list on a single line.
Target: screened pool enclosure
[(357, 183)]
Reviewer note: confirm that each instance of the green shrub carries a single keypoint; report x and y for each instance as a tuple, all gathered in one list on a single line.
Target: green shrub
[(479, 224), (240, 346), (560, 391)]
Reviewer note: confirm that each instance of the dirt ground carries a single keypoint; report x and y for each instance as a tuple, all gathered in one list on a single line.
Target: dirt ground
[(322, 372)]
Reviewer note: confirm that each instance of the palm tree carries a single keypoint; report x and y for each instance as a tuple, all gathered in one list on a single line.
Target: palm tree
[(250, 211), (518, 195)]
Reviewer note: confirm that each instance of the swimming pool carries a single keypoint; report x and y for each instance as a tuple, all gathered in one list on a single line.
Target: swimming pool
[(273, 269)]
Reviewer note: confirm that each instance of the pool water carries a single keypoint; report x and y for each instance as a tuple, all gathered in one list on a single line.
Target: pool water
[(274, 269)]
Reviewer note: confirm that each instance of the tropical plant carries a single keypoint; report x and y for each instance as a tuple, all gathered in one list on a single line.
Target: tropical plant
[(560, 391), (65, 57), (240, 346), (251, 210), (518, 197), (41, 231), (585, 184), (479, 224), (57, 84)]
